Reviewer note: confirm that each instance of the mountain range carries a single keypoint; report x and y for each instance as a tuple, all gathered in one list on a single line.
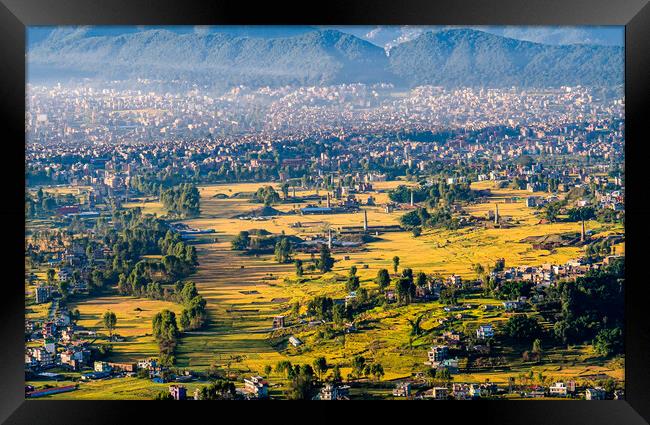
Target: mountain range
[(228, 56)]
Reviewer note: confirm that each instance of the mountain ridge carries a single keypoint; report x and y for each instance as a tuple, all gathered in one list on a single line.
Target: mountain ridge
[(452, 57)]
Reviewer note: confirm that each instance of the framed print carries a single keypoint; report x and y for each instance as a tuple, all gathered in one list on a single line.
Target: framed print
[(419, 202)]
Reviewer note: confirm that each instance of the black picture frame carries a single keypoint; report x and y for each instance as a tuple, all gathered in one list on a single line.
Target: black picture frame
[(15, 15)]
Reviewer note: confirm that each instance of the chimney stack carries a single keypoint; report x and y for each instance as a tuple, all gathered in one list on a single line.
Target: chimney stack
[(496, 214), (328, 200), (365, 220), (329, 238), (582, 232), (411, 197)]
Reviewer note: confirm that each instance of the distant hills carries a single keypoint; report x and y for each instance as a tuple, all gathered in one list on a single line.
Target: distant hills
[(467, 57), (226, 56)]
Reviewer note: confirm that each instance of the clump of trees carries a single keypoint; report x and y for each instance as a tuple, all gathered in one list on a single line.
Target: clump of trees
[(194, 313), (183, 200), (352, 283), (45, 204), (382, 279), (283, 251), (512, 290), (320, 307), (523, 327), (257, 241), (405, 288), (325, 261), (241, 241), (361, 367), (439, 217), (218, 390), (592, 309), (266, 195), (301, 379), (165, 332)]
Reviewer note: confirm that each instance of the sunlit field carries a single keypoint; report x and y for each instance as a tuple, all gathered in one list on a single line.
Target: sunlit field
[(244, 292), (134, 316)]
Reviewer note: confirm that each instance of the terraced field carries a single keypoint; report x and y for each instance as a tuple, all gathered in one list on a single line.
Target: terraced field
[(245, 292)]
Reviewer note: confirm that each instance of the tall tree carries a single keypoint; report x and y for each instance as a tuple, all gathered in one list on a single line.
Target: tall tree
[(110, 321), (382, 279), (320, 366), (325, 262), (395, 263)]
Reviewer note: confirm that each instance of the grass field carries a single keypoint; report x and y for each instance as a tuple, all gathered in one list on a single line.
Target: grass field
[(134, 316), (244, 293)]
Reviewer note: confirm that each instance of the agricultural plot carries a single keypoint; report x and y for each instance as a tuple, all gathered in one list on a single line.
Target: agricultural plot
[(245, 292), (134, 316)]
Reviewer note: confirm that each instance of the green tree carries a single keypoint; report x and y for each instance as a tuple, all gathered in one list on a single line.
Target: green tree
[(283, 251), (163, 395), (395, 263), (449, 296), (382, 279), (522, 327), (377, 370), (284, 366), (421, 280), (405, 287), (325, 262), (285, 190), (110, 320), (321, 307), (608, 342), (299, 268), (352, 284), (336, 373), (358, 365), (339, 314), (320, 366), (415, 328), (241, 241), (50, 276)]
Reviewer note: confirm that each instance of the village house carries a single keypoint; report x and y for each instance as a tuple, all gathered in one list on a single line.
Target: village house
[(558, 389), (484, 331), (455, 280), (123, 367), (178, 392), (256, 387), (42, 294), (437, 354), (450, 364), (278, 322), (595, 393), (75, 358), (43, 357), (101, 367), (402, 389), (512, 305), (460, 391), (439, 393), (147, 364), (295, 341), (333, 392)]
